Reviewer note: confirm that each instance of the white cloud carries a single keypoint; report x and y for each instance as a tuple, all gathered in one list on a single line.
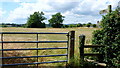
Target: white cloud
[(17, 0), (74, 10), (1, 14)]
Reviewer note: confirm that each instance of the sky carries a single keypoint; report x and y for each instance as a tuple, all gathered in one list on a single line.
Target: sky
[(75, 11)]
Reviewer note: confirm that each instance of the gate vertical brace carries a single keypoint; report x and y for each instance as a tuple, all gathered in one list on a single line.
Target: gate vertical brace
[(67, 49), (37, 50), (2, 51), (81, 43), (71, 47)]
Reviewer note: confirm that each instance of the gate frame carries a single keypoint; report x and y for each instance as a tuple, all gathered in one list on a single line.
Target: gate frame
[(70, 48)]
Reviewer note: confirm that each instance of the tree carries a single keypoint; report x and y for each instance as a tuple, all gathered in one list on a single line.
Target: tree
[(72, 25), (56, 20), (88, 24), (109, 36), (36, 20), (94, 25), (79, 25), (65, 26)]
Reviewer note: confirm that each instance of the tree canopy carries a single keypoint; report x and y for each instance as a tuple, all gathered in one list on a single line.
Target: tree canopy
[(36, 20), (56, 21)]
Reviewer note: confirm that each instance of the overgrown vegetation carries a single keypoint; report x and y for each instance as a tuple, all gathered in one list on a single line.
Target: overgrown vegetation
[(109, 36)]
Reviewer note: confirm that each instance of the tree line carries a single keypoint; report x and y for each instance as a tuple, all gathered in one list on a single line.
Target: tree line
[(36, 20)]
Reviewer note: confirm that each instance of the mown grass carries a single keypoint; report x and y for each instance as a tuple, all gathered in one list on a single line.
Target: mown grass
[(30, 37)]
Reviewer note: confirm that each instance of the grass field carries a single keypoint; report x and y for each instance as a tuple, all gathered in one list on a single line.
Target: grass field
[(29, 37)]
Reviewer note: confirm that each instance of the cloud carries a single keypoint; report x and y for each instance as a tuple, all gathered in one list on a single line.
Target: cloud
[(63, 6), (92, 7), (1, 14), (17, 0), (73, 10)]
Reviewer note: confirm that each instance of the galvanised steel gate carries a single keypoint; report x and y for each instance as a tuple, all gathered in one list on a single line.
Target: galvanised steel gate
[(69, 49)]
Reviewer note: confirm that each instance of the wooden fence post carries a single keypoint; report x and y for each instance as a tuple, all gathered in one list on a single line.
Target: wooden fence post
[(81, 43), (109, 8), (71, 46)]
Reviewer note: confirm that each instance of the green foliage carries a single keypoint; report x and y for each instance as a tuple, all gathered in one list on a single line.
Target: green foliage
[(3, 25), (94, 25), (57, 20), (65, 26), (72, 25), (88, 25), (79, 25), (109, 36), (36, 20)]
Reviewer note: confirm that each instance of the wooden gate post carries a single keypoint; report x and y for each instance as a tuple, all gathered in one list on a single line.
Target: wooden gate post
[(81, 43), (71, 46)]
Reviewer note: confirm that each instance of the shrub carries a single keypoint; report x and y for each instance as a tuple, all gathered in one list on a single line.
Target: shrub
[(109, 36)]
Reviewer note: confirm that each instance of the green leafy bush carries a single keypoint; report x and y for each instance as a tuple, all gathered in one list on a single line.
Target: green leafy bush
[(109, 36)]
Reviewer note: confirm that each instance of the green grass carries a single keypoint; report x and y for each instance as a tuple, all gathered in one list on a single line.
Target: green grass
[(28, 37)]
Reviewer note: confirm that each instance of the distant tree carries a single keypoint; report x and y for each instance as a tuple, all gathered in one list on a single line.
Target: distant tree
[(72, 25), (88, 24), (3, 25), (65, 26), (79, 25), (36, 20), (84, 25), (94, 25), (56, 21)]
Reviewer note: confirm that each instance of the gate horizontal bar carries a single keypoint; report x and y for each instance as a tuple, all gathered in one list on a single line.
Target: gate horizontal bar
[(29, 33), (33, 41), (33, 56), (33, 49), (34, 63)]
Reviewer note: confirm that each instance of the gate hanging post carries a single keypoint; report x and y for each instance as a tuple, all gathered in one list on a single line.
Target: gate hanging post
[(71, 46), (81, 48), (2, 53)]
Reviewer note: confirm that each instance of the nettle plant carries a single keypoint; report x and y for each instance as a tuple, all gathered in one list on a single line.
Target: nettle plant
[(109, 36)]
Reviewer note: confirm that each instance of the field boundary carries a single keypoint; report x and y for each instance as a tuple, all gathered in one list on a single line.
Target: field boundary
[(69, 53)]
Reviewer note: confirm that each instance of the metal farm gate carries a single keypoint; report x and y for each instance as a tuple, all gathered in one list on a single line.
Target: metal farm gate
[(69, 49)]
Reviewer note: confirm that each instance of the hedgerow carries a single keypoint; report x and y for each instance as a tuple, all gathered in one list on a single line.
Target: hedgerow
[(109, 36)]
